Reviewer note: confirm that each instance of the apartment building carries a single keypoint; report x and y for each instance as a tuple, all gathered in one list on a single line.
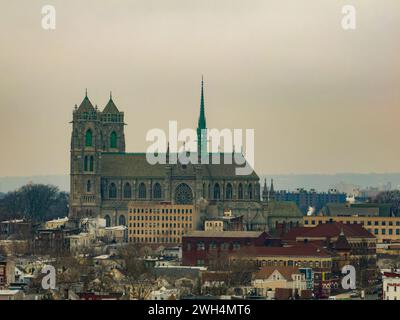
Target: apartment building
[(162, 223)]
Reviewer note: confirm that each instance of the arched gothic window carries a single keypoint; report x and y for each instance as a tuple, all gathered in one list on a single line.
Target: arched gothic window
[(217, 192), (122, 220), (108, 220), (228, 192), (112, 192), (88, 138), (89, 186), (142, 191), (91, 163), (250, 191), (240, 191), (127, 191), (113, 140), (157, 191)]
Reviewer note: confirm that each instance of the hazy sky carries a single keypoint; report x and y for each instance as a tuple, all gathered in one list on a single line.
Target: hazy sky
[(321, 99)]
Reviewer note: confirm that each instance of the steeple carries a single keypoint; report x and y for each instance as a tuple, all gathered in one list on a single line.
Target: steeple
[(86, 105), (202, 116), (271, 190), (265, 191), (111, 107), (201, 127)]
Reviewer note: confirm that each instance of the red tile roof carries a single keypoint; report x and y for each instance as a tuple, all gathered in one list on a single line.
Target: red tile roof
[(295, 250)]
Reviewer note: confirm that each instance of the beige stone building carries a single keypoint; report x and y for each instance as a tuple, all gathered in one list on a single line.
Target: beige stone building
[(161, 223)]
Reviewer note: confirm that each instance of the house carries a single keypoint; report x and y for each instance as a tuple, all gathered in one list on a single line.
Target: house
[(268, 279), (78, 242), (117, 234), (56, 223), (391, 285), (7, 272)]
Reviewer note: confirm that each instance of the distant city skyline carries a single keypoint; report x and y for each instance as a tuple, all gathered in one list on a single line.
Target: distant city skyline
[(321, 99)]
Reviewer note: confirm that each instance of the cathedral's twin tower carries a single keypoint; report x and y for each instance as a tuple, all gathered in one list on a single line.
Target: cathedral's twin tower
[(93, 132)]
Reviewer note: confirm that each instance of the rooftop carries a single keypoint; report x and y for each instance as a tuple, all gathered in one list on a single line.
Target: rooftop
[(328, 230), (296, 250), (225, 234), (285, 271)]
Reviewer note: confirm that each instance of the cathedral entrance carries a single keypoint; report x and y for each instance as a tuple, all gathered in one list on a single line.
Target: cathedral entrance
[(183, 194)]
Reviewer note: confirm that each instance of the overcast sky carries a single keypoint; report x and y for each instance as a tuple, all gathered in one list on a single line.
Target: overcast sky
[(321, 99)]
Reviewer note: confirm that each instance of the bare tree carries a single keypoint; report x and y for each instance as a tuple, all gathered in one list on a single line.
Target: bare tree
[(138, 275)]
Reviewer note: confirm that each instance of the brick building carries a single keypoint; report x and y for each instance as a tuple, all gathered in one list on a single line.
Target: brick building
[(201, 248)]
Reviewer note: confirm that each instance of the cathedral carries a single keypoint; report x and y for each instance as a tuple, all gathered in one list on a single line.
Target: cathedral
[(105, 178)]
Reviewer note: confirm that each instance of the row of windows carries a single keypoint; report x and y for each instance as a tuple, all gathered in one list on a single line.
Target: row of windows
[(200, 246), (369, 223), (89, 139), (142, 210), (157, 192), (158, 232), (228, 191), (112, 118), (163, 225), (293, 263), (383, 231), (157, 218), (155, 240), (127, 191)]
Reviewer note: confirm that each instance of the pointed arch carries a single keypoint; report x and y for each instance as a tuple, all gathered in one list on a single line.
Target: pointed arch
[(240, 191), (91, 163), (217, 191), (142, 191), (108, 220), (112, 191), (113, 140), (127, 191), (250, 191), (122, 220), (88, 138), (228, 192), (157, 191)]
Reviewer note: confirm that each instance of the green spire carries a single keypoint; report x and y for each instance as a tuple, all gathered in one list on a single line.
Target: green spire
[(202, 128), (202, 117)]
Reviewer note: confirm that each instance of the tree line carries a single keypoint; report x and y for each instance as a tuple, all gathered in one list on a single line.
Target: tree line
[(36, 202)]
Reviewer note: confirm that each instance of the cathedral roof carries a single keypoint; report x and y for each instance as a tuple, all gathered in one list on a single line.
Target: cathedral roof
[(111, 107), (136, 165)]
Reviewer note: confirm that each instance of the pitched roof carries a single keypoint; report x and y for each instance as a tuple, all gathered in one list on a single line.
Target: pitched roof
[(296, 250), (86, 105), (285, 271), (215, 276), (111, 107), (136, 164), (342, 243)]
